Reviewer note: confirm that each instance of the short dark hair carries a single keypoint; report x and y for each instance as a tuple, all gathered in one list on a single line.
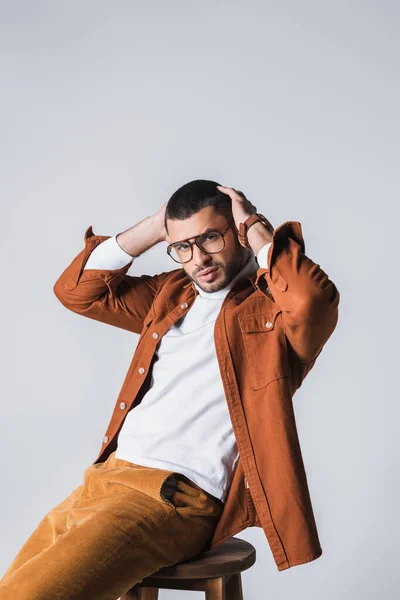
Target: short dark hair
[(191, 197)]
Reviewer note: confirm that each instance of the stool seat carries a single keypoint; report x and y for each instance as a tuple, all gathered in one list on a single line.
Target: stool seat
[(233, 556), (216, 572)]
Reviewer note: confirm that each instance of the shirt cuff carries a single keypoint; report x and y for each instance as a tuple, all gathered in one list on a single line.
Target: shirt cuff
[(108, 255), (262, 256)]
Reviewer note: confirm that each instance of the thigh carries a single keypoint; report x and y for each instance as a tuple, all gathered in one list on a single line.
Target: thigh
[(114, 536), (58, 520)]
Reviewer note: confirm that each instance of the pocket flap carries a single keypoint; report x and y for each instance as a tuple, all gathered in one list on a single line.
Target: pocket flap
[(258, 322)]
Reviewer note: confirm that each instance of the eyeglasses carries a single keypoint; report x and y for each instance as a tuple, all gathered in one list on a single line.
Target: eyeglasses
[(209, 242)]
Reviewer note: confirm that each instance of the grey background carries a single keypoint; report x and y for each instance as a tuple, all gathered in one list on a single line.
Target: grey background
[(106, 109)]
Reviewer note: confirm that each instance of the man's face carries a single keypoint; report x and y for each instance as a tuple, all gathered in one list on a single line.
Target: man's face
[(228, 262)]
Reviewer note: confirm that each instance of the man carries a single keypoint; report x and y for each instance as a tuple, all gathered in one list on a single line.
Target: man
[(202, 442)]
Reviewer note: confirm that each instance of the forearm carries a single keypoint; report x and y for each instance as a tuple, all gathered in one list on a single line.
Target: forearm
[(111, 255), (140, 237)]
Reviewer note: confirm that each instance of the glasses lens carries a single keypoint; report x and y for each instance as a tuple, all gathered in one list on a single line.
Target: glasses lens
[(210, 242), (181, 252)]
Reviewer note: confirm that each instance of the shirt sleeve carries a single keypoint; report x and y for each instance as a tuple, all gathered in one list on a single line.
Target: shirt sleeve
[(262, 256), (108, 255)]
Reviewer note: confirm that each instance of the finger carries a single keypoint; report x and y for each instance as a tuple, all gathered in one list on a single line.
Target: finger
[(230, 192)]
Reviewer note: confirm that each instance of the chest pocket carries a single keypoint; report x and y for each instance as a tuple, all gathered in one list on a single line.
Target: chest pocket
[(265, 347)]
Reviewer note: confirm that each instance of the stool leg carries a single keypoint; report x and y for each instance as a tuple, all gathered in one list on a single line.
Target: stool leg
[(233, 587), (133, 594), (149, 593), (141, 593), (215, 589)]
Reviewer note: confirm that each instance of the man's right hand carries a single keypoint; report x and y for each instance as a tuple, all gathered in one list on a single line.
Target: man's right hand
[(159, 218)]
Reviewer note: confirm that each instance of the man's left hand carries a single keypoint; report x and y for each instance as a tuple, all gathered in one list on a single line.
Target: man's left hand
[(242, 208)]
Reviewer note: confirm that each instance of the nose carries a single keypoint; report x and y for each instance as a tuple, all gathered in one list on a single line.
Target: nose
[(200, 259)]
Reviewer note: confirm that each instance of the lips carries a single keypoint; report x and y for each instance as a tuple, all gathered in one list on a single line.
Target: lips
[(206, 271)]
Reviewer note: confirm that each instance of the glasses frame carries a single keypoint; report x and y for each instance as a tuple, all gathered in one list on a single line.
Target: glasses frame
[(222, 233)]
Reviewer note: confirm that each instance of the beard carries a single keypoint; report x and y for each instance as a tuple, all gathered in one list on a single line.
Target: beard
[(225, 273)]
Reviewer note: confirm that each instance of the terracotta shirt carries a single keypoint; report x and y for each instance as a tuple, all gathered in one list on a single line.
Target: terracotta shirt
[(271, 327)]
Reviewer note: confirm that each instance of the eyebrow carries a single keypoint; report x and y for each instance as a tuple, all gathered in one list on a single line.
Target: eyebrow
[(202, 233)]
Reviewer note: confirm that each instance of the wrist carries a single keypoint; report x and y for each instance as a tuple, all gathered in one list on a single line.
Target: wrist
[(249, 223), (258, 235), (159, 227)]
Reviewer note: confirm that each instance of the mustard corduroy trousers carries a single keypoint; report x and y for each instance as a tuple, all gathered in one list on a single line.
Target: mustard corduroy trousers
[(123, 523)]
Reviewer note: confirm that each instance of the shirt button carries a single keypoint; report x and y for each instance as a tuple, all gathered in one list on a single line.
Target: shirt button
[(105, 439), (155, 335), (122, 405), (184, 305), (141, 370), (268, 324)]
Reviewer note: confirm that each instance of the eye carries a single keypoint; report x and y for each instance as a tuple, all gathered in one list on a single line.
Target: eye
[(209, 237), (182, 247)]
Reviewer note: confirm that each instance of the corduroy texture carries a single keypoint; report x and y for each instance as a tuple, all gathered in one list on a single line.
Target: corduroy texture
[(111, 532)]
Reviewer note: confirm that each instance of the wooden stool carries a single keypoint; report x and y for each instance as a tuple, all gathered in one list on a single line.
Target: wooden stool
[(216, 572)]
